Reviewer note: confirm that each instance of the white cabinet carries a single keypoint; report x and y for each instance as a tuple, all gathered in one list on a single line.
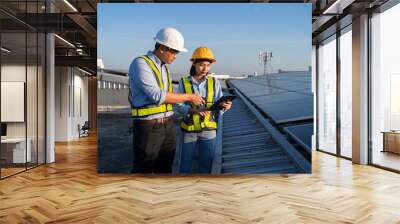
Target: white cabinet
[(18, 149)]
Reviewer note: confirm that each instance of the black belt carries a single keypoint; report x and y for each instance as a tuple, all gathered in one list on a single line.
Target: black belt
[(153, 121)]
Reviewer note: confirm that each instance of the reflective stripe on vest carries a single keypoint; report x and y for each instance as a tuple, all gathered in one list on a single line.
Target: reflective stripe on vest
[(198, 125), (154, 109)]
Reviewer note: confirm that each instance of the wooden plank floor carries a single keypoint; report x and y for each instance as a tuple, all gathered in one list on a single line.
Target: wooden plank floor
[(71, 191)]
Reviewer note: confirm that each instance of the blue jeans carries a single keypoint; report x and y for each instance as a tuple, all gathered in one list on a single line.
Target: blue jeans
[(206, 145)]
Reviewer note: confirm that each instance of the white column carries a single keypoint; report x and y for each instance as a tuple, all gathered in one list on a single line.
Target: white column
[(360, 90), (50, 99), (50, 92)]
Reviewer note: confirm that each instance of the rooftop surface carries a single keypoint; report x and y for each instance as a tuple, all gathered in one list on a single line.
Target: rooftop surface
[(268, 129)]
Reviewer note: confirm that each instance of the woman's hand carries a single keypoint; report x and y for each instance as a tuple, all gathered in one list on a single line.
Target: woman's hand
[(202, 112), (227, 105)]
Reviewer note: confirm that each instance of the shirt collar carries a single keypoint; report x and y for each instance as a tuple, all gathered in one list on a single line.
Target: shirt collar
[(155, 59), (196, 82)]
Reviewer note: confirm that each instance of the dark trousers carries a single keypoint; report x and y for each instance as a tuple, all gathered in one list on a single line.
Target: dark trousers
[(154, 147)]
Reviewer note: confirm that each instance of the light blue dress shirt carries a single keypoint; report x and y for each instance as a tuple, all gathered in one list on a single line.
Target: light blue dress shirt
[(199, 88), (144, 85)]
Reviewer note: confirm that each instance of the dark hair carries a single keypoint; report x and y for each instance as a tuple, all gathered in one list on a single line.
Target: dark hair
[(158, 45), (193, 69)]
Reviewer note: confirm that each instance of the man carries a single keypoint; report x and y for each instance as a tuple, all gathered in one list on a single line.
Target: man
[(151, 101)]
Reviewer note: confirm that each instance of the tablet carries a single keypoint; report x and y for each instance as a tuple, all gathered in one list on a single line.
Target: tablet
[(217, 106)]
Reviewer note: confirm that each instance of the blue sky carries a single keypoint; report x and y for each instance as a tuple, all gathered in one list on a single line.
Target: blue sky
[(235, 32)]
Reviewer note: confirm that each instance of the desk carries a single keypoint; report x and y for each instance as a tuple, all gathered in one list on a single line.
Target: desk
[(391, 141), (16, 147)]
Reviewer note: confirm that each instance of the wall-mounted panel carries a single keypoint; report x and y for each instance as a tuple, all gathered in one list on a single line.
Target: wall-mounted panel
[(12, 101)]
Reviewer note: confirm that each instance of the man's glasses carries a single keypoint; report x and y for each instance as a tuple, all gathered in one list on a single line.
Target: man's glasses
[(172, 51)]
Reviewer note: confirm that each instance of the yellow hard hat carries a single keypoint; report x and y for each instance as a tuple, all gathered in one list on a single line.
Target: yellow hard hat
[(203, 53)]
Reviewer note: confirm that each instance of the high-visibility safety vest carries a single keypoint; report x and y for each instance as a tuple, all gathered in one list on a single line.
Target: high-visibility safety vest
[(147, 110), (195, 123)]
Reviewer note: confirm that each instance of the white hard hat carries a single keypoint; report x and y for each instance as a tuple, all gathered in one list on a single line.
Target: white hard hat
[(171, 38)]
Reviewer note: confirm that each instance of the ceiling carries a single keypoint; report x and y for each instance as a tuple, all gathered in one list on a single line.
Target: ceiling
[(74, 21), (330, 15)]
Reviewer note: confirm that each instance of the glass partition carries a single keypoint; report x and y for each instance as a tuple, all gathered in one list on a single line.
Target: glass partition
[(13, 95), (22, 87)]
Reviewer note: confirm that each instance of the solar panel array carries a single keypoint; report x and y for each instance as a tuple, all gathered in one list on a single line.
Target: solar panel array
[(286, 99)]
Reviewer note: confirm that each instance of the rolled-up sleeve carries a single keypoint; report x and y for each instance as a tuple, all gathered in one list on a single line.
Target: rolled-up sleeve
[(142, 77), (183, 108)]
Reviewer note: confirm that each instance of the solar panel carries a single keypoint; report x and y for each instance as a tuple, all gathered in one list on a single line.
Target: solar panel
[(280, 97), (305, 91), (289, 111), (284, 97), (301, 134)]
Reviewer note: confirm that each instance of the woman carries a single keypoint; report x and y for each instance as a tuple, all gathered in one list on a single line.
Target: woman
[(199, 125)]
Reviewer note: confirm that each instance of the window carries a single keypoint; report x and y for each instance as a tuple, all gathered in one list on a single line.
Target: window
[(346, 92), (327, 95), (385, 87)]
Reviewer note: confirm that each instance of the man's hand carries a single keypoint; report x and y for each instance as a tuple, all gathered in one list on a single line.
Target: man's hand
[(196, 99), (183, 97), (227, 105)]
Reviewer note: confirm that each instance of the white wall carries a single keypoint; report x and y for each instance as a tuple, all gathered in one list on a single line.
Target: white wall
[(70, 84), (13, 72), (62, 81), (33, 126), (80, 89)]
